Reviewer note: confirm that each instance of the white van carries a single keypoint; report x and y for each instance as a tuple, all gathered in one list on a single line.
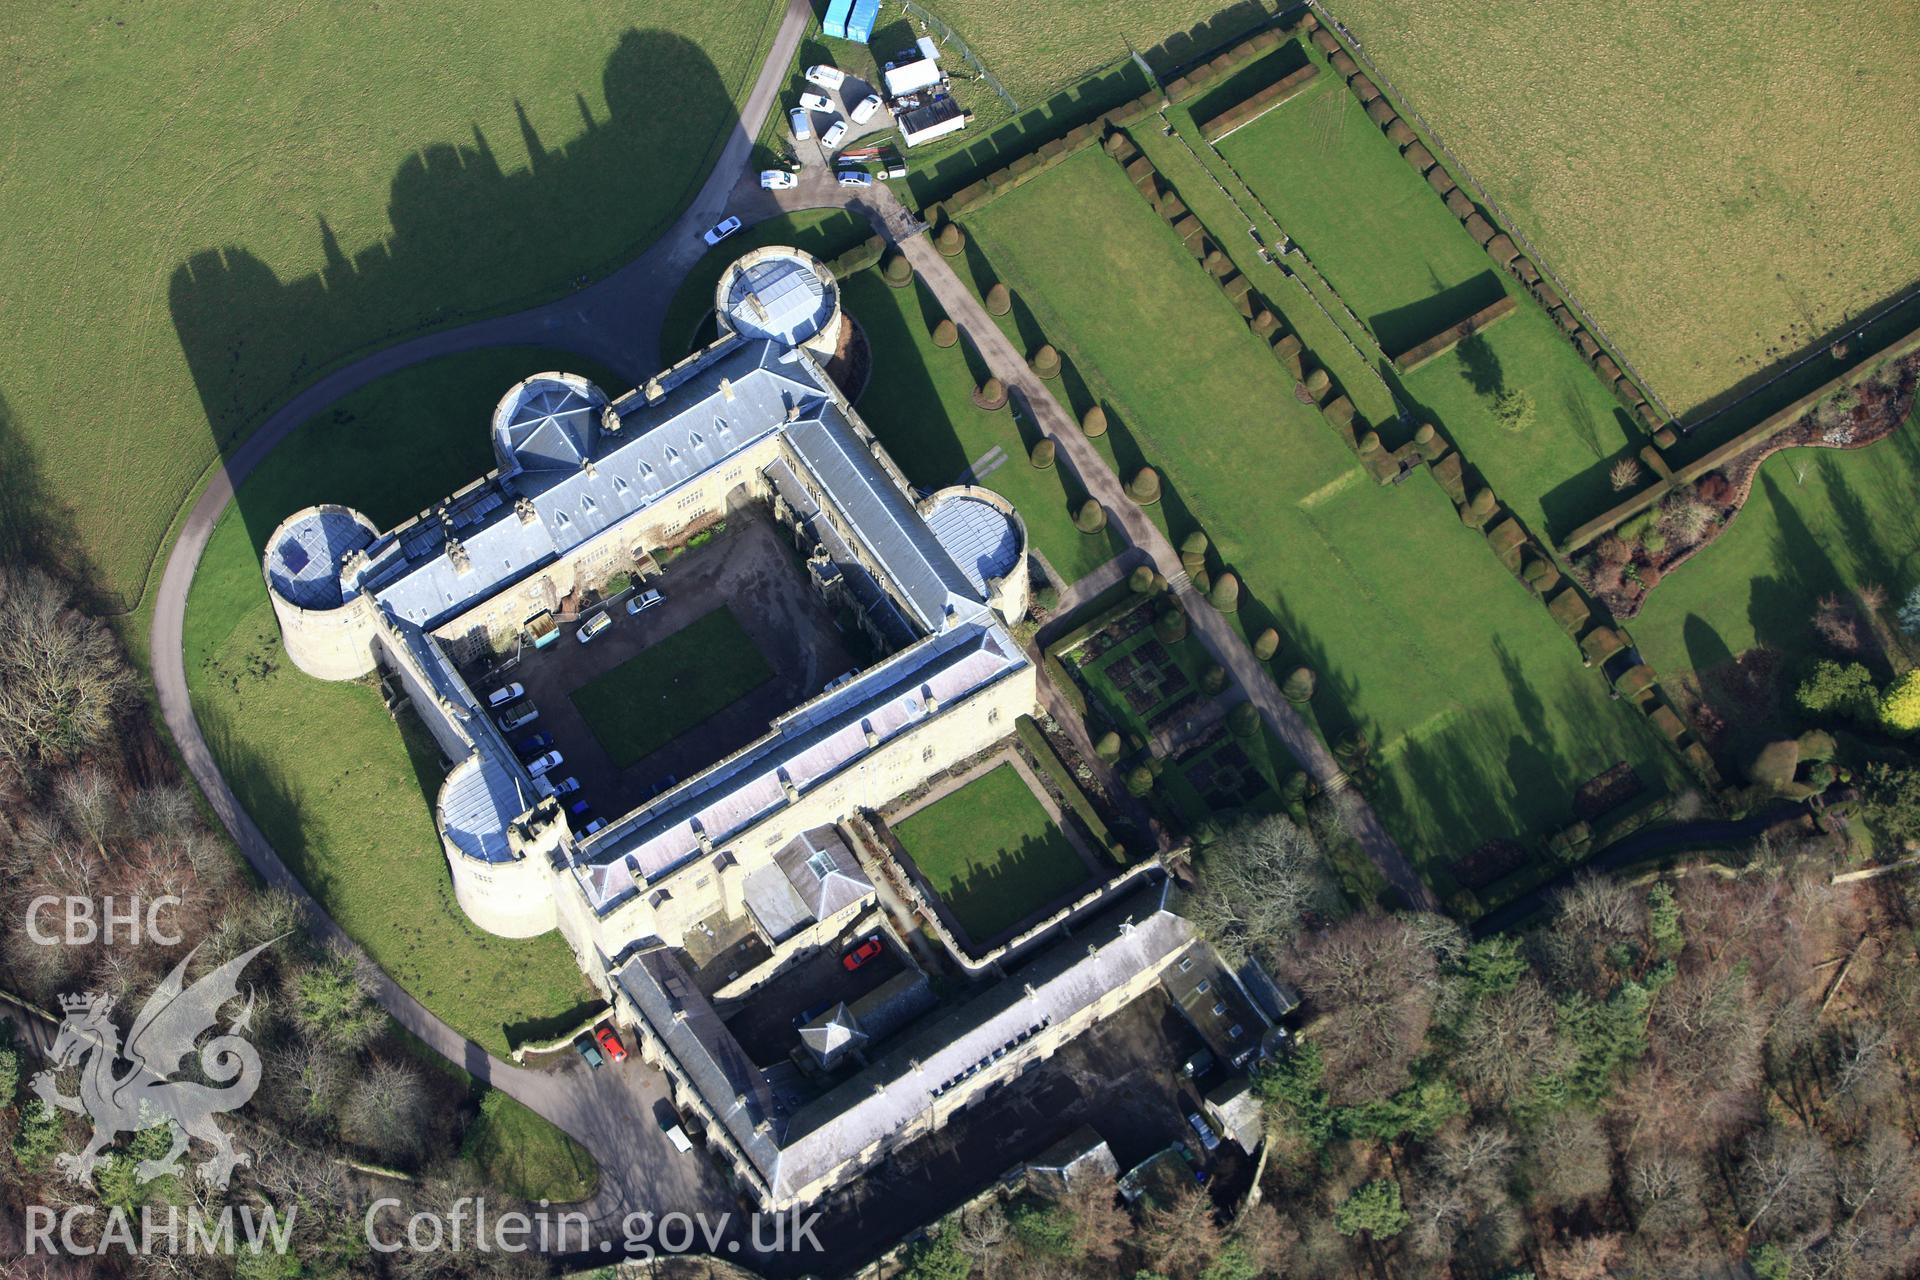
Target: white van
[(826, 77), (802, 121)]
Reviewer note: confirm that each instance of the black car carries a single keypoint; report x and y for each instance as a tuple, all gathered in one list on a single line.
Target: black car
[(533, 744)]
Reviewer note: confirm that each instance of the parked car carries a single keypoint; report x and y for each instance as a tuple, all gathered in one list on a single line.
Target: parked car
[(594, 626), (835, 131), (866, 951), (827, 77), (855, 178), (1208, 1138), (777, 180), (864, 109), (590, 1052), (610, 1042), (647, 599), (802, 121), (816, 102), (580, 809), (721, 230), (669, 1121), (1198, 1065), (516, 715), (541, 764), (532, 744), (506, 693), (593, 827), (565, 787)]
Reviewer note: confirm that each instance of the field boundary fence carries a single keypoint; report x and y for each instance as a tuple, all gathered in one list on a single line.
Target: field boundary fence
[(1507, 222), (948, 37)]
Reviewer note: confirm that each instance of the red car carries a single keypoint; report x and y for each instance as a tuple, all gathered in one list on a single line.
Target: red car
[(610, 1042), (862, 953)]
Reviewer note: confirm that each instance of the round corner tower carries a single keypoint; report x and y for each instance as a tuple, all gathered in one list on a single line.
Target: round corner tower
[(328, 633)]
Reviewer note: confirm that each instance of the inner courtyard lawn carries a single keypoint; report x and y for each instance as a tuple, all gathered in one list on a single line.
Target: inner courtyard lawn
[(918, 400), (991, 853), (279, 187), (1720, 183), (1818, 522), (1418, 635), (668, 688), (340, 790)]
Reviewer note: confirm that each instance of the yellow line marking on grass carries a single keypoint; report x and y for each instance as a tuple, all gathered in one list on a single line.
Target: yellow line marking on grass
[(1339, 484)]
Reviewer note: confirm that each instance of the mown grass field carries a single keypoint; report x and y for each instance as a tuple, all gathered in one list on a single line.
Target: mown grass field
[(991, 853), (1368, 222), (1405, 264), (1818, 522), (343, 792), (1038, 50), (525, 1156), (207, 206), (1417, 633), (668, 688), (1720, 183)]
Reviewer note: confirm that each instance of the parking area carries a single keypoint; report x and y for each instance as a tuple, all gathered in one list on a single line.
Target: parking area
[(748, 570)]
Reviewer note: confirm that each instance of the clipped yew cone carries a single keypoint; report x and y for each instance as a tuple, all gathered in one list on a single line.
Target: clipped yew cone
[(1091, 517), (1225, 595), (1045, 362), (950, 241), (1042, 455), (1144, 488), (1094, 422), (991, 394), (1266, 645), (945, 334), (1298, 687), (999, 301)]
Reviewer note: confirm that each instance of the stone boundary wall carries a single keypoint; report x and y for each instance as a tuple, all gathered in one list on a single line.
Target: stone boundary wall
[(1522, 258)]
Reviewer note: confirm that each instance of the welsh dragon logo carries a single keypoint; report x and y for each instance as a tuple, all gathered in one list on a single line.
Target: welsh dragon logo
[(143, 1096)]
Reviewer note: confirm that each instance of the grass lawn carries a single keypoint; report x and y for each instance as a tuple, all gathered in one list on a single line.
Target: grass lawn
[(1368, 221), (657, 695), (1818, 522), (1761, 169), (1373, 226), (824, 233), (344, 794), (1036, 51), (290, 186), (991, 853), (1416, 632), (919, 403), (525, 1156)]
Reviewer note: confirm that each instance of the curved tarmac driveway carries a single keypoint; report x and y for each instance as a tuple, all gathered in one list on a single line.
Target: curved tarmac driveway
[(617, 321)]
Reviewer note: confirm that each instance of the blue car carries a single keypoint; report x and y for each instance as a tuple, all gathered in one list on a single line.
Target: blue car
[(533, 744)]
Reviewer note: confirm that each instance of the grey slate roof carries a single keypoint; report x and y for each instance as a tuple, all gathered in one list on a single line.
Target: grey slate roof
[(780, 298), (793, 1149), (304, 563), (811, 878), (982, 540), (832, 1035)]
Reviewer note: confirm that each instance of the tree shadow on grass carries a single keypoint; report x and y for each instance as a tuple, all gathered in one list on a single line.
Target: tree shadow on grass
[(467, 236), (35, 528)]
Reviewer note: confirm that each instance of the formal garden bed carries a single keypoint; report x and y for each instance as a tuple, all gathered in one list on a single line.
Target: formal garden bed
[(1621, 568)]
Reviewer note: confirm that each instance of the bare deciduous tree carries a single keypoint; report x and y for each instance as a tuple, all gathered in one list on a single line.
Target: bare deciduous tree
[(62, 683), (1372, 981), (386, 1111), (1511, 1039), (1785, 1178), (1569, 1160), (1255, 883), (1181, 1238), (1099, 1225)]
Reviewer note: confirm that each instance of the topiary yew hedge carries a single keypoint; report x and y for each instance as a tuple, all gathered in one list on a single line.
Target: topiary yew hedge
[(1455, 334), (1025, 167), (1251, 108), (1225, 63)]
